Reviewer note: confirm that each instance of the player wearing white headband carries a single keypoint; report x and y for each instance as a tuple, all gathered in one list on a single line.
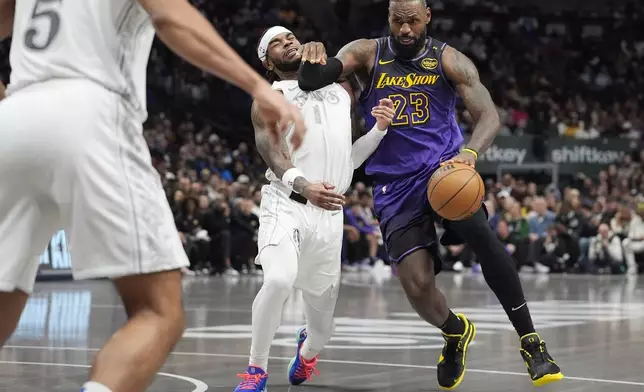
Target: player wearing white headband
[(301, 222)]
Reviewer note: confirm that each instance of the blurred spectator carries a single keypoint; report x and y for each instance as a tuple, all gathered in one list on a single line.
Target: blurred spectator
[(632, 226), (605, 252), (369, 232), (244, 226), (510, 242), (540, 225)]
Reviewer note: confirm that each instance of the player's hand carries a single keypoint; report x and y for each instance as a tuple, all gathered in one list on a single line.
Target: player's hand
[(384, 113), (322, 195), (464, 157), (279, 114), (313, 52)]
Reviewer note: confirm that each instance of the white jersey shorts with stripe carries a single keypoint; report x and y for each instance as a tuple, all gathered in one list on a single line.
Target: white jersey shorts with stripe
[(73, 157), (315, 233)]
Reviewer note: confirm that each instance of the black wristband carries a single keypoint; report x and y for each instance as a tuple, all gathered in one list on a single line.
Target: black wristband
[(315, 76)]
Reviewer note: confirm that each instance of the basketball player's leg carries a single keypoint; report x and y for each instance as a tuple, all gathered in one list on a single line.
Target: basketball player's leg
[(150, 288), (319, 310), (320, 282), (25, 230), (278, 254), (279, 263), (311, 339), (133, 355), (412, 247), (498, 267), (28, 216), (120, 227), (502, 276)]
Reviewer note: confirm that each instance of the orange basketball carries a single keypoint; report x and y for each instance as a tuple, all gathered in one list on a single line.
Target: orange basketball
[(456, 191)]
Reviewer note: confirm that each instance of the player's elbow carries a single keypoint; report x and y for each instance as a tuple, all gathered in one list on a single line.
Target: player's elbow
[(494, 120), (162, 22)]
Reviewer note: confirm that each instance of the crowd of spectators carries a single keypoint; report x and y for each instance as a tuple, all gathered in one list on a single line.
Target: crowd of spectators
[(594, 226), (553, 74), (558, 75)]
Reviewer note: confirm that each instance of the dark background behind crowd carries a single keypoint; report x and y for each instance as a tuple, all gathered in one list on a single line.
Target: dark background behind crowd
[(569, 69)]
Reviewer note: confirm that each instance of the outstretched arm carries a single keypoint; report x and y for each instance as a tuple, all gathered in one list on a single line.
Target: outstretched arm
[(357, 55), (7, 10), (463, 73)]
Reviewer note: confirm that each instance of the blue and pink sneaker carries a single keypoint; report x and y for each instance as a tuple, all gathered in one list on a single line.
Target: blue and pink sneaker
[(299, 369), (254, 379)]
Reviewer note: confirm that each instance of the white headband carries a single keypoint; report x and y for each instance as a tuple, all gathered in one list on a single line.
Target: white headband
[(271, 33)]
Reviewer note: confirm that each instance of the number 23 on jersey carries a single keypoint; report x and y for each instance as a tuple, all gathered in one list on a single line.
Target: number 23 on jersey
[(411, 109)]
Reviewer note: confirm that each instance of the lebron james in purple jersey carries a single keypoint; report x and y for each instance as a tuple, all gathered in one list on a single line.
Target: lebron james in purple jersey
[(424, 78)]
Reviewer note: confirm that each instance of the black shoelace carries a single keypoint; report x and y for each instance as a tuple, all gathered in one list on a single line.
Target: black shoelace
[(452, 348), (537, 352)]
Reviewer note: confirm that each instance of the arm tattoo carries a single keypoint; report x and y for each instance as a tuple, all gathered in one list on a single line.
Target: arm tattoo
[(277, 157), (357, 55), (478, 102)]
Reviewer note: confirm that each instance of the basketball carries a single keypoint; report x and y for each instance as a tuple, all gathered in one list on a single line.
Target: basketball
[(456, 191)]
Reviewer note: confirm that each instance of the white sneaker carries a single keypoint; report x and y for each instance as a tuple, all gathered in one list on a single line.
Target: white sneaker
[(188, 272), (231, 272), (541, 269), (365, 265), (526, 269), (458, 266), (350, 268)]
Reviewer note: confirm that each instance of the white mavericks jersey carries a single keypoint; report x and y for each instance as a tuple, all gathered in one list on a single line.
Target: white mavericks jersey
[(105, 41), (325, 153)]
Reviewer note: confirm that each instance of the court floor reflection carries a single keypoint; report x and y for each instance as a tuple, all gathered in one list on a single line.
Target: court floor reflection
[(593, 325)]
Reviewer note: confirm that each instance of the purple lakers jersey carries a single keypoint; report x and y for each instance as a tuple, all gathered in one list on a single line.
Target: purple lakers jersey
[(424, 130)]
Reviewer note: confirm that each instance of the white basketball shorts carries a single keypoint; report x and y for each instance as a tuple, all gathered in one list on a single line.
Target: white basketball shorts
[(315, 233), (73, 157)]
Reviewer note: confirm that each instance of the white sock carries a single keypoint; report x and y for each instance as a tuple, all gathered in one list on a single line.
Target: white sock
[(92, 386), (280, 270)]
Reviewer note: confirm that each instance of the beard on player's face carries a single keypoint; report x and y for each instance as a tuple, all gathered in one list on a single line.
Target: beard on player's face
[(286, 66), (408, 50)]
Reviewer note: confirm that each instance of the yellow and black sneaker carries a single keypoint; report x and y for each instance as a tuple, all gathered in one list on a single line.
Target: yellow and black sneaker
[(541, 367), (451, 364)]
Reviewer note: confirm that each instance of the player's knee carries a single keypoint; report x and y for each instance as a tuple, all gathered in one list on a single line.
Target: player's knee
[(157, 298), (281, 280), (476, 226), (420, 286), (174, 324)]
